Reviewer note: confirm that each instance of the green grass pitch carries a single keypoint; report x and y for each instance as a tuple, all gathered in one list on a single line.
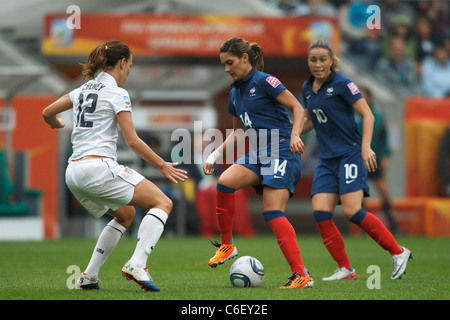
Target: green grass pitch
[(40, 271)]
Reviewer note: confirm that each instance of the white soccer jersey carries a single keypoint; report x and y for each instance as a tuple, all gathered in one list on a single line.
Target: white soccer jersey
[(95, 106)]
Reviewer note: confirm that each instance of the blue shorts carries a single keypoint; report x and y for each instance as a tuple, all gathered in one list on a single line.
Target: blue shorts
[(340, 175), (281, 171)]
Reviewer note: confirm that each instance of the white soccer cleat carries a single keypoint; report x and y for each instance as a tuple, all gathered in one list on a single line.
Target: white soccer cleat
[(86, 283), (399, 263), (342, 274), (140, 276)]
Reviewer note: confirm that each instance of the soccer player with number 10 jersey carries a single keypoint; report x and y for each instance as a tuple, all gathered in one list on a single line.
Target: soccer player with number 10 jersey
[(345, 157)]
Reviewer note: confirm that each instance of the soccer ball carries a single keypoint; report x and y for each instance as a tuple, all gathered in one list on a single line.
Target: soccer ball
[(246, 272)]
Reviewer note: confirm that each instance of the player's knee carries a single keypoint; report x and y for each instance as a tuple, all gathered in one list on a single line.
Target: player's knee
[(125, 215), (223, 180), (166, 205), (350, 211)]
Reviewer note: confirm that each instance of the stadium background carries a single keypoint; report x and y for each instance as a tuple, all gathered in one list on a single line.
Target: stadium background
[(177, 79)]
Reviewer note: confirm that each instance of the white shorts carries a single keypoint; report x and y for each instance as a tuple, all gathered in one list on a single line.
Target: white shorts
[(101, 184)]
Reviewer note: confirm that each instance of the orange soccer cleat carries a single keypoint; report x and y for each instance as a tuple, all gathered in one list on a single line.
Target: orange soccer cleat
[(223, 253), (296, 281)]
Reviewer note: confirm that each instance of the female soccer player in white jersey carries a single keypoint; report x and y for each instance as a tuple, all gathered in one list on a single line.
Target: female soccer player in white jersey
[(93, 175), (258, 103), (330, 101)]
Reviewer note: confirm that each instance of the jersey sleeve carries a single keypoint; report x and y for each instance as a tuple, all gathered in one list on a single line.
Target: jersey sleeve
[(121, 102), (350, 92), (272, 86), (74, 94)]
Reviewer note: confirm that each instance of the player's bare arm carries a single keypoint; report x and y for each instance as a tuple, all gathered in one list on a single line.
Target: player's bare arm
[(234, 138), (307, 123), (369, 157), (145, 152), (51, 112), (287, 99)]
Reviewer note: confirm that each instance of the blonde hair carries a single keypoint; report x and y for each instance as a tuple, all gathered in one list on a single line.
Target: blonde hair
[(238, 46), (327, 46)]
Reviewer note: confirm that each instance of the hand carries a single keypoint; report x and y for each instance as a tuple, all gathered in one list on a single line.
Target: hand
[(297, 145), (169, 171), (57, 124), (207, 168), (209, 162), (369, 158)]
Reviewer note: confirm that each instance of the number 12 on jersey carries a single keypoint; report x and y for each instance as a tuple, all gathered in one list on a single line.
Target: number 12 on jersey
[(86, 106)]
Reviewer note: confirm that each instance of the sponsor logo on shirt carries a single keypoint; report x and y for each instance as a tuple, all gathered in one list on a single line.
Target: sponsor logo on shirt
[(253, 92), (127, 101), (353, 88), (274, 82)]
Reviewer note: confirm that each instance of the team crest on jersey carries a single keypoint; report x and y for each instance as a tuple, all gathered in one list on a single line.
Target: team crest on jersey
[(274, 82), (127, 101), (330, 91), (353, 88)]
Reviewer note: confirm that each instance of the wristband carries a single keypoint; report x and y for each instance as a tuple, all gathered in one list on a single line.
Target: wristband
[(213, 157)]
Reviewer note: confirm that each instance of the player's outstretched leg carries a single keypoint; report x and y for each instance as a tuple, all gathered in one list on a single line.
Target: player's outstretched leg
[(378, 232)]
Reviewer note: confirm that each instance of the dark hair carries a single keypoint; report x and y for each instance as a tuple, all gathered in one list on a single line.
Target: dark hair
[(327, 46), (238, 46), (105, 56)]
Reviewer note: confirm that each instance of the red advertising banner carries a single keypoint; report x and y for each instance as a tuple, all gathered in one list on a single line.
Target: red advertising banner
[(185, 35)]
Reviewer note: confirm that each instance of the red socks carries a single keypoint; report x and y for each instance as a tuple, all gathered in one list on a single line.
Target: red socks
[(333, 241), (376, 230), (225, 213), (283, 230), (332, 238), (287, 240)]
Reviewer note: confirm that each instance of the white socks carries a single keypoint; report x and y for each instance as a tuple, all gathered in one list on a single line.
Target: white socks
[(106, 242), (150, 230)]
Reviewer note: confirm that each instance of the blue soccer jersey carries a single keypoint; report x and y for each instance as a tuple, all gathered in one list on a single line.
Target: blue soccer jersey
[(332, 114), (253, 100)]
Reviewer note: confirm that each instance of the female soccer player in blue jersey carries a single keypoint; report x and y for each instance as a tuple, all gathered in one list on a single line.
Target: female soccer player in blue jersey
[(258, 103), (345, 157)]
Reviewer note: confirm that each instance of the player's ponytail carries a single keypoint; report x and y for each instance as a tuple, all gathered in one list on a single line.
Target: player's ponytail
[(257, 60), (104, 57), (238, 47)]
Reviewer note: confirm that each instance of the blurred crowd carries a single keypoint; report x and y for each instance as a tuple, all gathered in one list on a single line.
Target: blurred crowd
[(411, 47)]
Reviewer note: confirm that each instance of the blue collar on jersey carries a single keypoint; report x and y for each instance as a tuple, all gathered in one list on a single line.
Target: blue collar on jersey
[(329, 79), (237, 84)]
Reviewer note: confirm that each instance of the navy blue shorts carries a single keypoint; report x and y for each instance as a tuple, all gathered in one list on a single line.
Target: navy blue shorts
[(340, 175), (281, 171)]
